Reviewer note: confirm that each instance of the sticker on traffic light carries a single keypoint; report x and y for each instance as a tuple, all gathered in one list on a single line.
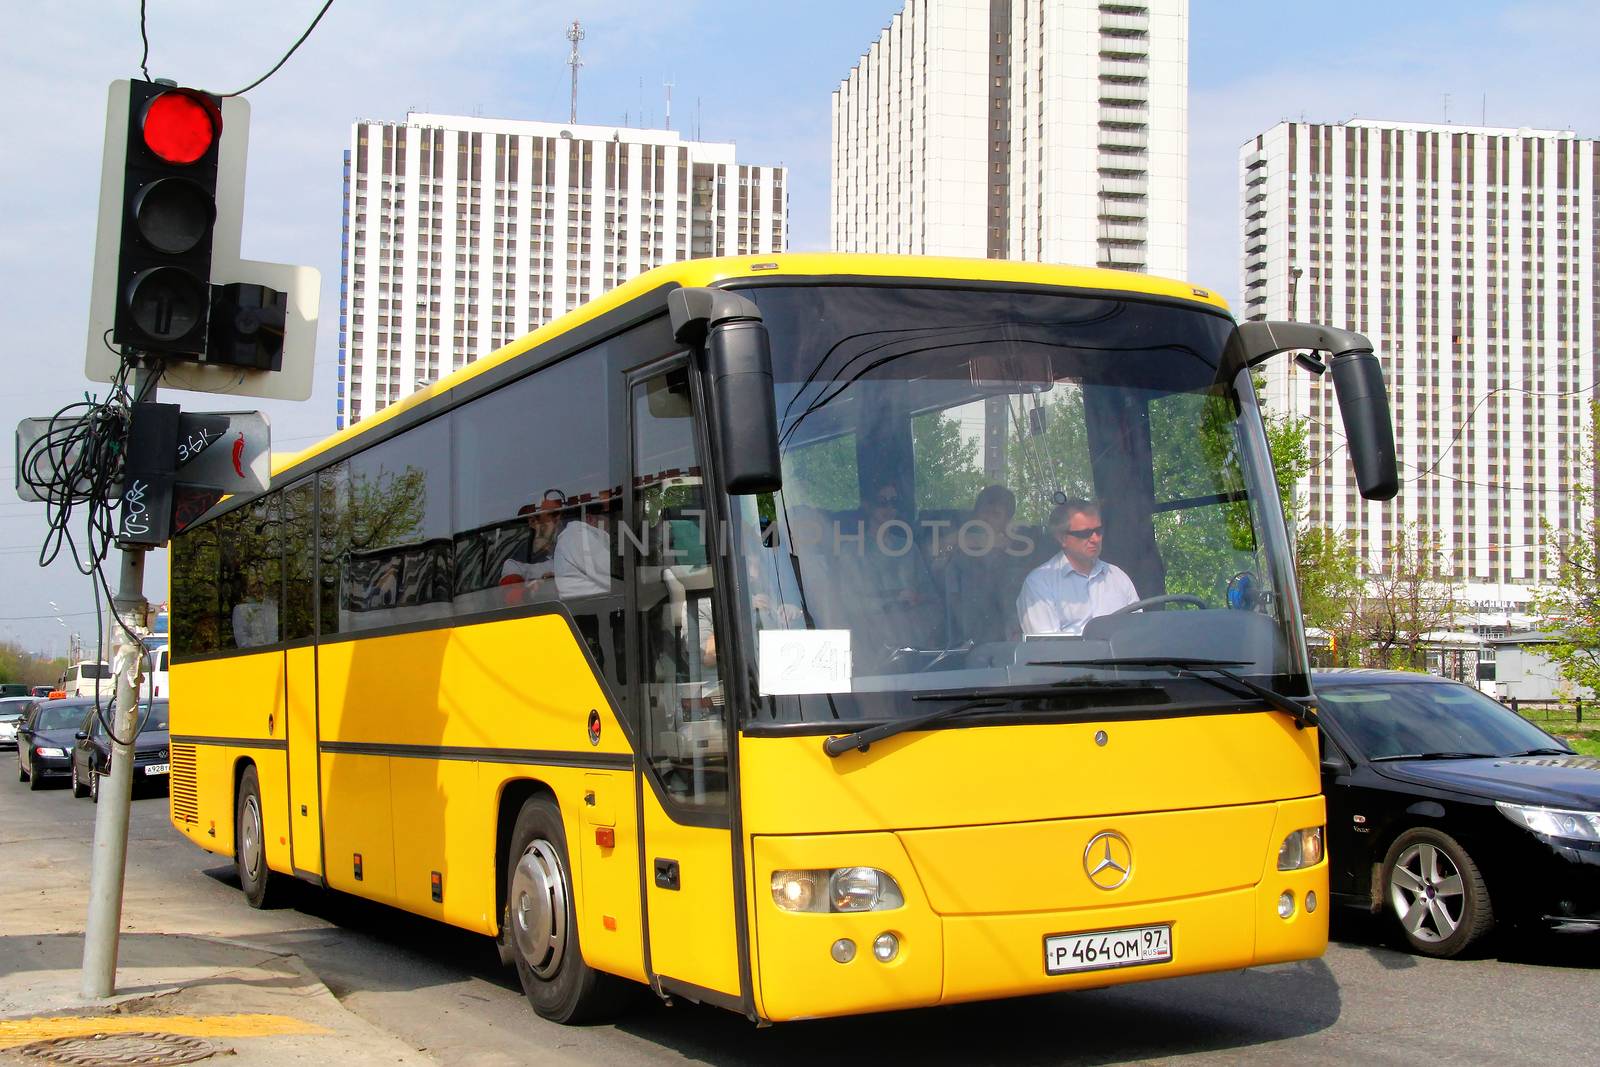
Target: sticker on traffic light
[(169, 193)]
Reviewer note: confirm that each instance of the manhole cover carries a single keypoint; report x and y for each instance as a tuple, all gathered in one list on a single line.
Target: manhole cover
[(105, 1050)]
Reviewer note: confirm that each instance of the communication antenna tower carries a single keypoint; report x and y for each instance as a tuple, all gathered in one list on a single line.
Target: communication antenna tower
[(669, 104), (575, 34)]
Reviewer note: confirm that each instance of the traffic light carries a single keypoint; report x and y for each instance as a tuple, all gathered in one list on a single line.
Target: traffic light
[(169, 277), (179, 464), (169, 194), (147, 476)]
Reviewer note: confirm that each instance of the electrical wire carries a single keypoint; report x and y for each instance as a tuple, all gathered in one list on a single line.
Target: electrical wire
[(74, 467), (144, 59), (286, 55)]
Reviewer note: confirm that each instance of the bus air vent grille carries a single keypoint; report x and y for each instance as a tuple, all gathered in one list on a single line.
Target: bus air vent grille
[(185, 801)]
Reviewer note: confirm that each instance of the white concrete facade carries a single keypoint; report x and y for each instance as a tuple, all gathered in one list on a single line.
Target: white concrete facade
[(1467, 255), (1042, 130), (461, 234)]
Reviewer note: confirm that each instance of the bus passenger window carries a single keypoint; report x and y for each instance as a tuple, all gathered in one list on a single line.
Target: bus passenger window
[(255, 584)]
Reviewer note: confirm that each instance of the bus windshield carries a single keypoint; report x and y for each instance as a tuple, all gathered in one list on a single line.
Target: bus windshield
[(992, 489)]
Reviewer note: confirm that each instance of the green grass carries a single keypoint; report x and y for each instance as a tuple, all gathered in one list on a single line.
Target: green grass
[(1563, 723), (1589, 745)]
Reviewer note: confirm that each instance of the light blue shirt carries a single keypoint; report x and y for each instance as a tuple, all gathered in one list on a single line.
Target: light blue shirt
[(1058, 600)]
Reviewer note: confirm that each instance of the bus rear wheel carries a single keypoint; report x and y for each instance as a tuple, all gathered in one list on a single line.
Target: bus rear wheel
[(250, 844), (540, 924)]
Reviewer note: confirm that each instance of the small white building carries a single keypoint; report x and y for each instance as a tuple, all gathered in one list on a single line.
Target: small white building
[(1522, 671)]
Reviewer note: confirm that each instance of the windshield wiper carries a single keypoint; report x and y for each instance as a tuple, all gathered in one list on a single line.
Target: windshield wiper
[(975, 699), (1542, 752), (1434, 755), (1204, 669)]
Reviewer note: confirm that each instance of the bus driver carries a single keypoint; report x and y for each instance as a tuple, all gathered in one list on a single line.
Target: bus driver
[(1062, 594)]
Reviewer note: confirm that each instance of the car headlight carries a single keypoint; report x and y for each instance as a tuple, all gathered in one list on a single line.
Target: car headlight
[(1554, 822), (52, 753), (1303, 848), (837, 889)]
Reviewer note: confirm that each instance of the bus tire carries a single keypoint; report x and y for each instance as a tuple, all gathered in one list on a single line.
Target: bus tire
[(541, 928), (250, 844)]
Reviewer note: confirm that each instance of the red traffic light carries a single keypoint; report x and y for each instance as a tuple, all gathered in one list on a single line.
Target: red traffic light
[(180, 126)]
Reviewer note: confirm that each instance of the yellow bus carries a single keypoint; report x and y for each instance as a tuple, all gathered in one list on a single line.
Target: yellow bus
[(808, 636)]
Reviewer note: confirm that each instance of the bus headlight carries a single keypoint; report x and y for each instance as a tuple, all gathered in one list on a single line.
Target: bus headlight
[(840, 889), (1303, 848)]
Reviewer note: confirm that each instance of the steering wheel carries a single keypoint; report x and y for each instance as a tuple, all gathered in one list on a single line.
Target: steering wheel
[(1155, 601)]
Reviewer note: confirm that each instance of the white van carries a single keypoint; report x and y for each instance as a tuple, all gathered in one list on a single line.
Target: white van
[(155, 674), (80, 678)]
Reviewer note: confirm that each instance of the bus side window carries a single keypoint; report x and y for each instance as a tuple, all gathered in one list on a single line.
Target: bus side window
[(685, 720)]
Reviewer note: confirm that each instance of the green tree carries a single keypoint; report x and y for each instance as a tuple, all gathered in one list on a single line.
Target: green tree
[(1328, 573), (1047, 449), (1569, 606), (1409, 595), (823, 474), (1291, 461), (949, 472)]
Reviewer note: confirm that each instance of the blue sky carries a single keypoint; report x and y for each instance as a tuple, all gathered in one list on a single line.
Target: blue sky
[(756, 72)]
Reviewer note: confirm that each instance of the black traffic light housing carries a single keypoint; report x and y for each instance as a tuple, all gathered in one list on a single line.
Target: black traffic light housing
[(247, 326), (169, 194)]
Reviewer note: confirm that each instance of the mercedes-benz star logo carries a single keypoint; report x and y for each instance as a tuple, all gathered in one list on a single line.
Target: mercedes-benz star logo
[(1108, 859)]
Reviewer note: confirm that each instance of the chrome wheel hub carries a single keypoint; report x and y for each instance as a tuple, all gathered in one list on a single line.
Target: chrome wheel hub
[(1427, 893), (250, 838), (538, 908)]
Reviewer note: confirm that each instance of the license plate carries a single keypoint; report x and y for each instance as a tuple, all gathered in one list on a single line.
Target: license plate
[(157, 768), (1101, 949)]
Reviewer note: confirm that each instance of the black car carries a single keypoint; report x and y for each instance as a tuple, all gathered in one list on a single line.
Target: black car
[(91, 756), (45, 739), (1452, 813)]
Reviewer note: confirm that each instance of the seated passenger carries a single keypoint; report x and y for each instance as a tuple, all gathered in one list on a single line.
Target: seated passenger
[(1061, 595), (528, 569), (982, 569)]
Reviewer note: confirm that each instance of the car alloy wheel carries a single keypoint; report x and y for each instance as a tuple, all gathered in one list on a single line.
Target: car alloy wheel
[(1436, 893), (1427, 893)]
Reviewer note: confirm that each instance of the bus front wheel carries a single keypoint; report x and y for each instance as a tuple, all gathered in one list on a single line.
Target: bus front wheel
[(250, 843), (540, 924)]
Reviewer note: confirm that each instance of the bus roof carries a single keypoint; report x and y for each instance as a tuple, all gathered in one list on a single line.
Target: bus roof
[(701, 272)]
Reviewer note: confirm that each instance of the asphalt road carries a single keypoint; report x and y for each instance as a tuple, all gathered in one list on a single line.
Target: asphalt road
[(442, 990)]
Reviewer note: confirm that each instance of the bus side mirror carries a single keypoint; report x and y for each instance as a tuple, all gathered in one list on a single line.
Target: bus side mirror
[(738, 362), (1364, 407), (1357, 380)]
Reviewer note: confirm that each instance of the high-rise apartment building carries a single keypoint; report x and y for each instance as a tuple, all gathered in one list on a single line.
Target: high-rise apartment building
[(461, 234), (1467, 255), (1046, 130)]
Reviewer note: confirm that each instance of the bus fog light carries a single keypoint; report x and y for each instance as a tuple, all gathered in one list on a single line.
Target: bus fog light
[(886, 947), (1311, 901), (844, 950), (1285, 904), (1303, 848)]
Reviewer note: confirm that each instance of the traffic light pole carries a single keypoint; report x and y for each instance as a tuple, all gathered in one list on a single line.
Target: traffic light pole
[(104, 927)]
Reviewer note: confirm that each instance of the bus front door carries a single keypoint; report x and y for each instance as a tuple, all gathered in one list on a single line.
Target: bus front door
[(690, 894)]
